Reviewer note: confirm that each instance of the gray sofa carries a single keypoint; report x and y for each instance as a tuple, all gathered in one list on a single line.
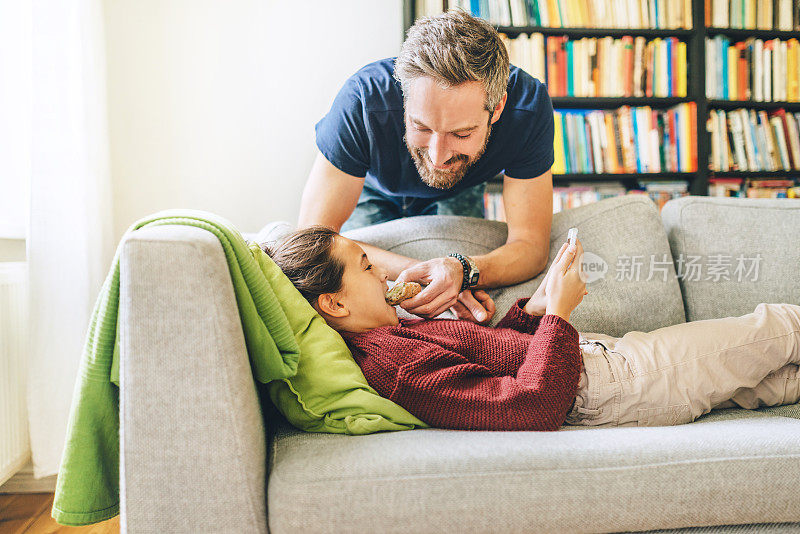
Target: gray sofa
[(196, 455)]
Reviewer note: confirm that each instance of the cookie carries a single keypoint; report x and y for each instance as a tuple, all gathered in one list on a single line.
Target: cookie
[(402, 291)]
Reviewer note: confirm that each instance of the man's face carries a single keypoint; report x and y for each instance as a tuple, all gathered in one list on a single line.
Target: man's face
[(447, 130)]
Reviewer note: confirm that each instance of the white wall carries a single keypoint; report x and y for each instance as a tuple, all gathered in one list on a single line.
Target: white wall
[(212, 103)]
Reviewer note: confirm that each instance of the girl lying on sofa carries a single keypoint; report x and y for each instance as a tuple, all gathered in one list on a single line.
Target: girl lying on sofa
[(534, 371)]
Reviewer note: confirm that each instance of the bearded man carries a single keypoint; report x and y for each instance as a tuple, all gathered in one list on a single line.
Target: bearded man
[(421, 134)]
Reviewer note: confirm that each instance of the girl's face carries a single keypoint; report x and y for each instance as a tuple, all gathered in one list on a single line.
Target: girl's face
[(360, 305)]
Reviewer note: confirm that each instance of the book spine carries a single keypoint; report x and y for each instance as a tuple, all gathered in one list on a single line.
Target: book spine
[(730, 144), (767, 69), (673, 140), (627, 43), (569, 71), (763, 130), (552, 62), (781, 114), (637, 66), (715, 163), (725, 145), (680, 113), (562, 66), (738, 139), (781, 148), (794, 139), (655, 142), (741, 72), (771, 151), (611, 148), (682, 74), (587, 132), (574, 144), (649, 62), (637, 142), (761, 146), (559, 166), (792, 66), (749, 145), (597, 149), (618, 141), (692, 141), (748, 62), (665, 135), (758, 71)]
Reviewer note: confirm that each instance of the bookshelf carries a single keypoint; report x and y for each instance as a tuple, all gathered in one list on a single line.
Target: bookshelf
[(695, 39)]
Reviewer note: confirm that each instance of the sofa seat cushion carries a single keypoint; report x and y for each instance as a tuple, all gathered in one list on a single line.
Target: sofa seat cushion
[(729, 467)]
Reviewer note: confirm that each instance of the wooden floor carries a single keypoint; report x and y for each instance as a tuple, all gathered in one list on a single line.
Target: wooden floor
[(30, 513)]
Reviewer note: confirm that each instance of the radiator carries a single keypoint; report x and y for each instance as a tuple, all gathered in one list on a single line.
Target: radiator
[(14, 442)]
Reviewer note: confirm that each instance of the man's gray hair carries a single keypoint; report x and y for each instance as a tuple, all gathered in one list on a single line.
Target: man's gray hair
[(453, 48)]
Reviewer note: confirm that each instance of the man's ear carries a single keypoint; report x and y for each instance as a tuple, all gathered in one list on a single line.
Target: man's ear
[(330, 304), (499, 109)]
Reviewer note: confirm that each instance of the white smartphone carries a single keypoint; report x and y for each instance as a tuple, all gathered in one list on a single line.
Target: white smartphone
[(572, 235)]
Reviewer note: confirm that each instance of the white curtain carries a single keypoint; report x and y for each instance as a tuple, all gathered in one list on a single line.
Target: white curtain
[(69, 231)]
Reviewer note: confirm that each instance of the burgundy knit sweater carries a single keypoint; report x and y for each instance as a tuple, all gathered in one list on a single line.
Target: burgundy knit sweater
[(521, 375)]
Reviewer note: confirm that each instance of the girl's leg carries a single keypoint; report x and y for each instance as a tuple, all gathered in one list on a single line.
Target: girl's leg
[(778, 388), (675, 374)]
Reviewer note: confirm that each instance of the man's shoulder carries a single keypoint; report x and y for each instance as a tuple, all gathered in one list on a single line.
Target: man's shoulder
[(377, 70), (380, 91), (526, 93)]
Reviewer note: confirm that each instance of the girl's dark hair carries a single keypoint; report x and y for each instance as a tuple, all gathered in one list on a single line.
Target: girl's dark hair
[(306, 257)]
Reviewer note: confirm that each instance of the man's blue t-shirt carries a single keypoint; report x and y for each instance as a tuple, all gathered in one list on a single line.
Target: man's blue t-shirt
[(362, 134)]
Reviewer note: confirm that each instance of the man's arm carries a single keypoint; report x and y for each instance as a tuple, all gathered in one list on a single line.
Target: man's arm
[(529, 215), (329, 198)]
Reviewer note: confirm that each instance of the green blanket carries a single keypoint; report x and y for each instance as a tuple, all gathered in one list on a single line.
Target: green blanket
[(87, 488)]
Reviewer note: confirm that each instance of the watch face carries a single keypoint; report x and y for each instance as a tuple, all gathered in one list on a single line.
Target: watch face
[(473, 280)]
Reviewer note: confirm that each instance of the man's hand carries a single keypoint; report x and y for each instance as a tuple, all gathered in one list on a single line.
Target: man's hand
[(474, 305), (443, 277)]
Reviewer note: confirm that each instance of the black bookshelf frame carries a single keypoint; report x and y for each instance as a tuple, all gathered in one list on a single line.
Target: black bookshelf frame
[(695, 87)]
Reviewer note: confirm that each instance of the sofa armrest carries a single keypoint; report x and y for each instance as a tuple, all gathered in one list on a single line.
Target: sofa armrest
[(192, 439)]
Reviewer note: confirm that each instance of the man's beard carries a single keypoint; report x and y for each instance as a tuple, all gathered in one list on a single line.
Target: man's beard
[(444, 179)]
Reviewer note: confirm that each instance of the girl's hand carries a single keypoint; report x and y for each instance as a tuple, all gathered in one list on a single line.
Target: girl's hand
[(565, 286), (537, 304)]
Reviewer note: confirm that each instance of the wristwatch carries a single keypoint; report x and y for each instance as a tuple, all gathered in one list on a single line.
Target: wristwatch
[(471, 272)]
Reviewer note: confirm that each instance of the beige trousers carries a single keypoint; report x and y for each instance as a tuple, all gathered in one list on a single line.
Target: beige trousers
[(675, 374)]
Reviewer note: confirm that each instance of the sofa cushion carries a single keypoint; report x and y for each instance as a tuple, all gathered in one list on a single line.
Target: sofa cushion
[(618, 232), (715, 233), (728, 467)]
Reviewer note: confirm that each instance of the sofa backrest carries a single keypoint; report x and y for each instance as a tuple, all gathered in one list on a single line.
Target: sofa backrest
[(620, 233), (733, 253)]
